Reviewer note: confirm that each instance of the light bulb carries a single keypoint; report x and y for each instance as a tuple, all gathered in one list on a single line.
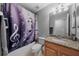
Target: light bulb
[(54, 11), (66, 8), (59, 11)]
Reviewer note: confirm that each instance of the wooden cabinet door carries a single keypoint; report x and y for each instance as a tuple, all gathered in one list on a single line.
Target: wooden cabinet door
[(50, 52), (52, 49), (68, 52), (64, 54)]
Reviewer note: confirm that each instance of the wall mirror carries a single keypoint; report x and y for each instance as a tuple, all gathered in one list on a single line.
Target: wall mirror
[(63, 21), (77, 21)]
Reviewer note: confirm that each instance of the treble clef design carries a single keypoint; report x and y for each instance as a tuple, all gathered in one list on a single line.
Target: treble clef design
[(15, 36)]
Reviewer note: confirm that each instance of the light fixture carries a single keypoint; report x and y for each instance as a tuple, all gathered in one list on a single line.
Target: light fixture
[(60, 8), (54, 11), (67, 4), (66, 8)]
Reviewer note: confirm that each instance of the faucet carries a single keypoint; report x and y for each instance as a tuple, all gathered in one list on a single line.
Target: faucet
[(73, 37)]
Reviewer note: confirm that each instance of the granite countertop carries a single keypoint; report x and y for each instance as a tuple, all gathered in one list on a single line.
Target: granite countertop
[(64, 41)]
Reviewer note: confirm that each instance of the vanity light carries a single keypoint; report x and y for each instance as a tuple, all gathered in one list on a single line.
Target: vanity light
[(54, 11), (66, 8), (67, 4), (60, 8)]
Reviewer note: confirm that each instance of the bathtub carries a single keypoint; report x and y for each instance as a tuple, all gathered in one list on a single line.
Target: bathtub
[(24, 51)]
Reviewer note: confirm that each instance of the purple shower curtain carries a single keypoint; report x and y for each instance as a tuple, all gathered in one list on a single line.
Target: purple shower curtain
[(21, 30)]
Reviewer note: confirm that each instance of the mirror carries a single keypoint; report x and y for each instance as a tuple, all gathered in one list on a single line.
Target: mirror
[(63, 23), (58, 23), (77, 21)]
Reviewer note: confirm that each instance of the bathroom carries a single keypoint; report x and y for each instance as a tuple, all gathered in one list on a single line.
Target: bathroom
[(39, 29)]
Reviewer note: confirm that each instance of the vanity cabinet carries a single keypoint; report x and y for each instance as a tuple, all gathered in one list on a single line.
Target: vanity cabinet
[(68, 51), (50, 52), (52, 49)]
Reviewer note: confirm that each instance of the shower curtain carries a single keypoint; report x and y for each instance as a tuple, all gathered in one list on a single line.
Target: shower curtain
[(22, 30)]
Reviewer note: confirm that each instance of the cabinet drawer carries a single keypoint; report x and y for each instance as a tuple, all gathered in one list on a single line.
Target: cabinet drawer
[(50, 45), (50, 52)]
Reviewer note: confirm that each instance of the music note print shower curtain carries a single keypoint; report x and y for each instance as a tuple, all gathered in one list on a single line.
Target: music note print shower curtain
[(21, 29)]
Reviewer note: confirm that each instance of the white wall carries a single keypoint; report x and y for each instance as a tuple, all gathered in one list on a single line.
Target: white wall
[(43, 20)]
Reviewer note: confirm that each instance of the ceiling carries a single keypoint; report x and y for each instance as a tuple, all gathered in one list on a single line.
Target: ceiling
[(34, 7)]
